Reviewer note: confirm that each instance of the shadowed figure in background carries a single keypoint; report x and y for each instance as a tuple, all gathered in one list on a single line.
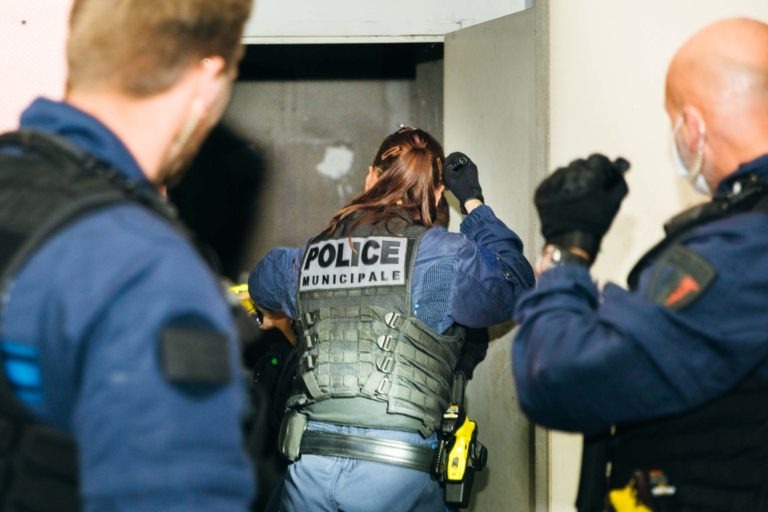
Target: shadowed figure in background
[(219, 196)]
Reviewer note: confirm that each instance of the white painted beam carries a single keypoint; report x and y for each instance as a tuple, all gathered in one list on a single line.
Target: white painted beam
[(301, 21)]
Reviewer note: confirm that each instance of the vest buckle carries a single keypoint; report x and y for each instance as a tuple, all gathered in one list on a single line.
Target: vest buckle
[(386, 342), (309, 318), (384, 387), (393, 320), (385, 364), (311, 339)]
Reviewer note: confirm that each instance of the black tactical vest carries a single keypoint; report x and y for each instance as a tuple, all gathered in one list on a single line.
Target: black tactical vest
[(713, 458), (366, 359), (45, 184)]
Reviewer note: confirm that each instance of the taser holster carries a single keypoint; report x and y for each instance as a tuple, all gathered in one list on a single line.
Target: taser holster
[(459, 454)]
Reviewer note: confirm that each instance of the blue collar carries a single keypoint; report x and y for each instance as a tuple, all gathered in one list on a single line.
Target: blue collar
[(756, 170), (85, 131)]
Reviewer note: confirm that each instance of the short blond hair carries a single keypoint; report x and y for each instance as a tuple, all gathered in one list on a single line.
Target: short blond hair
[(142, 47)]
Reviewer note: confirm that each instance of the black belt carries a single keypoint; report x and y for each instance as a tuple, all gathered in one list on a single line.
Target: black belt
[(373, 449)]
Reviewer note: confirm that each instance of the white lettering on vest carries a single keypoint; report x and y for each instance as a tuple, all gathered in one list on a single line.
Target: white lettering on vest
[(355, 263)]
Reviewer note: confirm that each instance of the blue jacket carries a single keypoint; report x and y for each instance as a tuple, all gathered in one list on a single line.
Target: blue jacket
[(90, 306), (585, 360), (471, 278)]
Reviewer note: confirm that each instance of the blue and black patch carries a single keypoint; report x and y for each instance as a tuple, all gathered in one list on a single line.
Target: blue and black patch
[(192, 355)]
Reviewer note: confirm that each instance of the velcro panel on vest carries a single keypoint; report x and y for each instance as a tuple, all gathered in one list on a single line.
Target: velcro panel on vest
[(350, 348), (310, 318), (45, 473), (194, 355)]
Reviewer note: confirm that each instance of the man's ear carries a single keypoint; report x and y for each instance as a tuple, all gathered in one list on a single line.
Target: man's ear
[(371, 178), (212, 80), (694, 128)]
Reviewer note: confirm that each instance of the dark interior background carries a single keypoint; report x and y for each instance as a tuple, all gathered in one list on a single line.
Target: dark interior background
[(301, 129)]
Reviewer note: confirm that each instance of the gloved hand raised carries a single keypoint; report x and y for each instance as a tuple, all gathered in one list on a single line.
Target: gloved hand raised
[(460, 177), (577, 204)]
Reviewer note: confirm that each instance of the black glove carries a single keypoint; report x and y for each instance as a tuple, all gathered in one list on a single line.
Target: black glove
[(577, 204), (473, 351), (460, 177)]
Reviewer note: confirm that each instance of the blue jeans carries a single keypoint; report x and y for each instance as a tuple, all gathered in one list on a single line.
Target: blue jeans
[(319, 483)]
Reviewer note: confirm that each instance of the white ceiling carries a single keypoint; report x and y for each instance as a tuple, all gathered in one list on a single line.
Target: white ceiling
[(298, 21)]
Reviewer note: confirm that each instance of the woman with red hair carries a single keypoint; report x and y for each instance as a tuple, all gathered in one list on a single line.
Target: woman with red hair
[(379, 299)]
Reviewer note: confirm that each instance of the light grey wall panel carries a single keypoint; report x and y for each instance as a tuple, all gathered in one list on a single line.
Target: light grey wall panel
[(496, 111)]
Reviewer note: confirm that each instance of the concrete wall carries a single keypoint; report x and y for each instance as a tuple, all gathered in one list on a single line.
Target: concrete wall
[(608, 62), (32, 33), (496, 111), (318, 139)]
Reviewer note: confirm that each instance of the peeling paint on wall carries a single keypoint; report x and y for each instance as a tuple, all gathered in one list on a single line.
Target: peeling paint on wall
[(337, 162)]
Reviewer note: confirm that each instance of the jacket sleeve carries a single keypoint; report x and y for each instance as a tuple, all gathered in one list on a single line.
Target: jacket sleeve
[(146, 439), (584, 361), (492, 271), (272, 282)]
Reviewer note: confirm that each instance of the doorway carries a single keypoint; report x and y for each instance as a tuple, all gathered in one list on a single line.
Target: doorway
[(317, 114)]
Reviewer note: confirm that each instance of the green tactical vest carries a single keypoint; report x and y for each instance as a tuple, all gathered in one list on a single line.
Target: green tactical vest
[(366, 359)]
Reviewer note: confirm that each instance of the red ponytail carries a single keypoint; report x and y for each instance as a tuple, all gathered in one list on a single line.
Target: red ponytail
[(409, 164)]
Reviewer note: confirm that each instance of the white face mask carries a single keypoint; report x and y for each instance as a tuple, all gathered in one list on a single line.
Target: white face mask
[(689, 165)]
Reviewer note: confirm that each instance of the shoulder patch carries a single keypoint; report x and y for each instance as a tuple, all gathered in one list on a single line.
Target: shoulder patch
[(680, 276), (194, 355)]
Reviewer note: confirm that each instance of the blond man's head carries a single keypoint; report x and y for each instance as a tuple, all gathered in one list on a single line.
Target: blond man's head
[(142, 47)]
